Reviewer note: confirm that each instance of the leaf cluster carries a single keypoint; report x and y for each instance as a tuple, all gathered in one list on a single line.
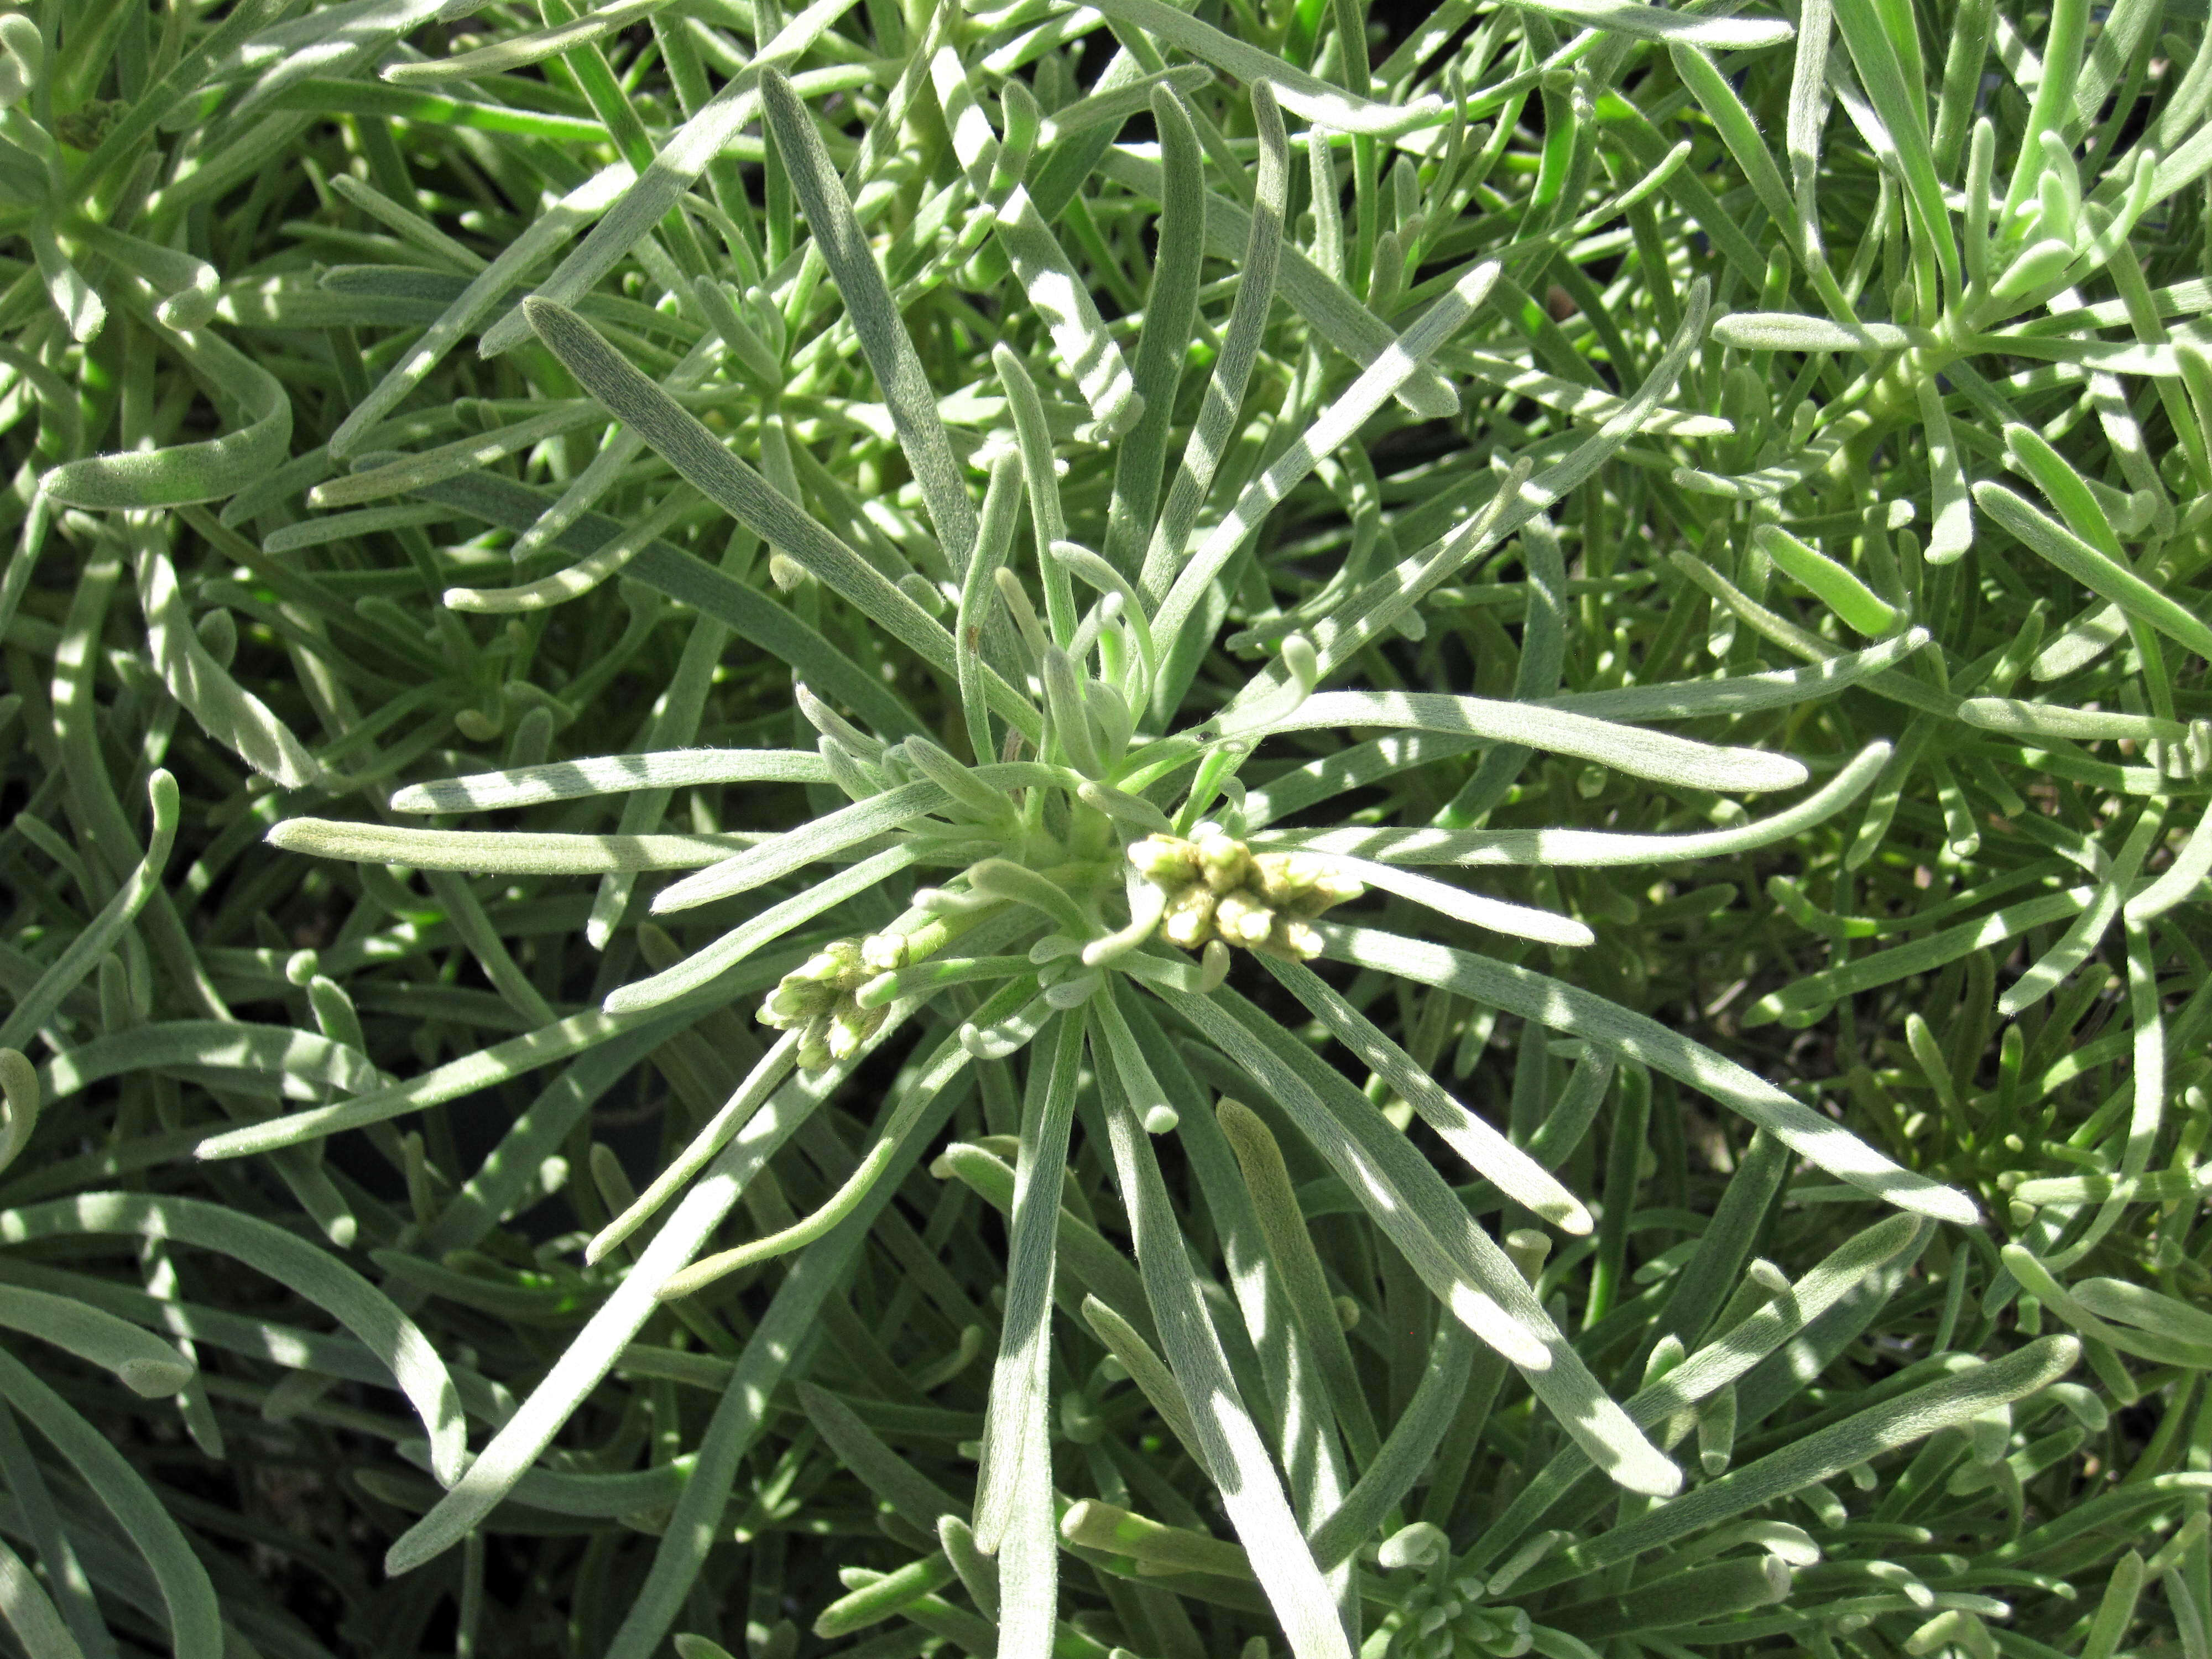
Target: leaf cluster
[(1031, 829)]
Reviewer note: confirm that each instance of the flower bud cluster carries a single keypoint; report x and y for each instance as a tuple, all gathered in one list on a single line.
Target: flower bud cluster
[(1217, 888), (817, 998)]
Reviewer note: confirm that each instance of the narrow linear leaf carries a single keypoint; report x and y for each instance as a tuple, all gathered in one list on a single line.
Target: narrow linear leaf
[(82, 954), (1338, 423), (597, 1347), (780, 855), (1238, 1457), (2098, 572), (1633, 1037), (889, 349), (674, 169), (185, 473), (1488, 1153), (1463, 1267), (1955, 1399), (1654, 755), (676, 435), (1490, 848), (683, 768), (194, 1617), (514, 852), (387, 1332)]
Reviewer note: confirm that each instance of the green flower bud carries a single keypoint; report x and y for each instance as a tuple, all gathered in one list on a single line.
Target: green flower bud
[(838, 963), (1304, 884), (1189, 922), (1224, 861), (1287, 877), (845, 1034), (1242, 919), (814, 1046), (796, 1000), (862, 1022), (88, 124), (885, 953), (1168, 859)]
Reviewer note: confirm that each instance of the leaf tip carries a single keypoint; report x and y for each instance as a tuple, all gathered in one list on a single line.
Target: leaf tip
[(1646, 1469), (1771, 771), (154, 1379), (411, 1550), (1572, 1217), (1949, 1204)]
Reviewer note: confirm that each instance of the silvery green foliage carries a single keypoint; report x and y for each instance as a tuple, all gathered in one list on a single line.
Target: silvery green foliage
[(1174, 701)]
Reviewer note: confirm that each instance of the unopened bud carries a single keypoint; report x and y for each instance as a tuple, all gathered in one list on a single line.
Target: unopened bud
[(851, 1026), (1243, 919), (833, 964), (1168, 860), (814, 1045), (1225, 862), (1189, 922), (1284, 878), (795, 1000)]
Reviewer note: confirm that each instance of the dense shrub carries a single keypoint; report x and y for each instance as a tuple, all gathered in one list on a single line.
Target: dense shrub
[(1077, 830)]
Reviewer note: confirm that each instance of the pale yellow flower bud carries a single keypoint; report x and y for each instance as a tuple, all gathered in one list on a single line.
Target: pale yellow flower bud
[(1189, 922), (1225, 862), (1292, 938), (1242, 918), (884, 953), (1168, 859)]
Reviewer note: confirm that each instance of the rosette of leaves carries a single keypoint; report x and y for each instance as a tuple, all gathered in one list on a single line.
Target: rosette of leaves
[(1083, 548), (1060, 846)]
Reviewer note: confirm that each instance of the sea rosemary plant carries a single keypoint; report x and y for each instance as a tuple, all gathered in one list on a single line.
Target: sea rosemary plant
[(1032, 829)]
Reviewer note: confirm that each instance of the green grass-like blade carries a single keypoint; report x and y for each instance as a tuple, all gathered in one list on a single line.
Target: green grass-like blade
[(1562, 1006)]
